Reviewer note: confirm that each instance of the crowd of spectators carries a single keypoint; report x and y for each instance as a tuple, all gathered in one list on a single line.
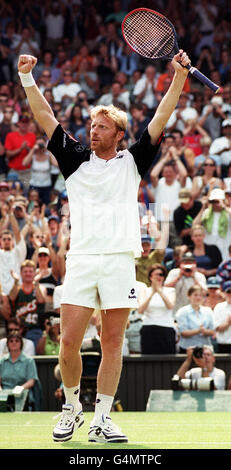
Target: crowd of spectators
[(183, 274)]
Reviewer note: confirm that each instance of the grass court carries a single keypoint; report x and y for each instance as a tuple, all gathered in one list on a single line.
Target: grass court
[(145, 430)]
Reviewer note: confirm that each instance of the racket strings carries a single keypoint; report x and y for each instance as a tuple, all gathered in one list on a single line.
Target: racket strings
[(149, 34)]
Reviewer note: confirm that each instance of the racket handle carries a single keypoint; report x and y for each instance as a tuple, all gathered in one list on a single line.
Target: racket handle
[(203, 79)]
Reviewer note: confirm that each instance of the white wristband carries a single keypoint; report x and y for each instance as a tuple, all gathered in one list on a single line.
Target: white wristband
[(27, 79)]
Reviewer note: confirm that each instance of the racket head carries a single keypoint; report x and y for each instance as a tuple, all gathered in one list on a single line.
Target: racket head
[(150, 34)]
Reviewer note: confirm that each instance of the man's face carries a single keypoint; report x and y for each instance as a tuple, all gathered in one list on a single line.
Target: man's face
[(6, 242), (208, 357), (27, 274), (169, 173), (104, 135)]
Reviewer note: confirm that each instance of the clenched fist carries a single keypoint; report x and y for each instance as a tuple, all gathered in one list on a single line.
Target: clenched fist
[(26, 63)]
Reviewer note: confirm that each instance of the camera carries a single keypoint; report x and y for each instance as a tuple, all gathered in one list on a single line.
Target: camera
[(188, 270), (201, 384)]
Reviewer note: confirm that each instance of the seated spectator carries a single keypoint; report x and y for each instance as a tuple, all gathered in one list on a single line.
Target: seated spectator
[(184, 277), (135, 321), (40, 160), (66, 90), (207, 257), (76, 120), (158, 335), (184, 215), (16, 368), (28, 298), (215, 217), (195, 321), (116, 96), (207, 180), (147, 259), (214, 294), (205, 368), (145, 88), (181, 114), (49, 343), (13, 325), (222, 320), (87, 79), (140, 120)]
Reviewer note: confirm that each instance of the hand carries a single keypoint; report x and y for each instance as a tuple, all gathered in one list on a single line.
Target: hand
[(15, 276), (26, 63), (180, 61)]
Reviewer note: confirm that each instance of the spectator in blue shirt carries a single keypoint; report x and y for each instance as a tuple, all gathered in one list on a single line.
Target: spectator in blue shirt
[(195, 321)]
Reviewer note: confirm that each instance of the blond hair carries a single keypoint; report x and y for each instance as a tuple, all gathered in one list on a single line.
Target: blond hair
[(118, 116), (28, 263)]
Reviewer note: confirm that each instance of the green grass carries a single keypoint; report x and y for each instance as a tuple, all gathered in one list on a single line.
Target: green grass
[(145, 430)]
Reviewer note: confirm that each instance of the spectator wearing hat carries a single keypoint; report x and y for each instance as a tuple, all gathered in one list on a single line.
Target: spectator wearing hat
[(221, 146), (208, 257), (48, 273), (215, 216), (222, 320), (40, 160), (184, 215), (148, 258), (195, 321), (214, 294), (184, 277), (17, 145)]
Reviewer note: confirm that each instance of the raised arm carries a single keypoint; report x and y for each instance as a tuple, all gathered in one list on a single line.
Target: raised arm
[(42, 111), (169, 101)]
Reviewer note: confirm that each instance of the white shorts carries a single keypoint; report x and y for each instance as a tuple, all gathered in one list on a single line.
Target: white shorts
[(100, 281)]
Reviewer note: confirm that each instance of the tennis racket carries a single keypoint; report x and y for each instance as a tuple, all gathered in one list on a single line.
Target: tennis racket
[(153, 36)]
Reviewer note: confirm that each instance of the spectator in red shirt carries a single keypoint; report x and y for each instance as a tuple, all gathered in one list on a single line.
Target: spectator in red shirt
[(17, 145)]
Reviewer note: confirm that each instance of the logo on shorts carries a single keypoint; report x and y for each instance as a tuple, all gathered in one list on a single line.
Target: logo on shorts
[(132, 294)]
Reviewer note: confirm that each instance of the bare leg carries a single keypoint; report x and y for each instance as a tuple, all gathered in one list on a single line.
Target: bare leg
[(74, 321), (114, 324)]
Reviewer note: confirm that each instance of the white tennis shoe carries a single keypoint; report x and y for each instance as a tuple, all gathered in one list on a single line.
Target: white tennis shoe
[(106, 431), (64, 429)]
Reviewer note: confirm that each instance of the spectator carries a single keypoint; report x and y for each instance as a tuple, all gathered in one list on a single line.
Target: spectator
[(145, 88), (184, 277), (221, 146), (5, 312), (28, 298), (195, 321), (66, 91), (222, 320), (128, 60), (53, 226), (76, 120), (40, 160), (147, 259), (13, 325), (181, 114), (166, 188), (140, 120), (17, 145), (87, 79), (54, 22), (135, 321), (207, 257), (205, 368), (223, 273), (5, 128), (225, 66), (24, 43), (116, 96), (208, 180), (205, 143), (192, 135), (215, 219), (16, 368), (184, 215), (48, 276), (158, 335), (12, 252), (49, 343), (212, 117), (214, 294)]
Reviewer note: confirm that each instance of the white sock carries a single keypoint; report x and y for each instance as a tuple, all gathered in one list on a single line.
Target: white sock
[(72, 397), (103, 405)]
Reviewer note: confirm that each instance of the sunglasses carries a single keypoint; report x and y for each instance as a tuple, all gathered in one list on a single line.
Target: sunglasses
[(42, 254), (209, 164)]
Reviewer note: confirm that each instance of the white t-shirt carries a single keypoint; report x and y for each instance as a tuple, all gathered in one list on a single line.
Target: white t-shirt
[(156, 312), (149, 98), (61, 90), (221, 313), (183, 285), (102, 194), (218, 376), (167, 196), (11, 260)]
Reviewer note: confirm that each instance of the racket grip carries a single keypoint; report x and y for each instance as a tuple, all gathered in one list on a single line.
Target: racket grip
[(203, 79)]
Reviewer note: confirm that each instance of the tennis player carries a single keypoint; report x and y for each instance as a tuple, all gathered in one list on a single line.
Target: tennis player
[(102, 186)]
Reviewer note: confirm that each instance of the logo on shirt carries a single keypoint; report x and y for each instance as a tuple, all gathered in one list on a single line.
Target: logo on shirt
[(132, 294), (79, 148), (64, 140)]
